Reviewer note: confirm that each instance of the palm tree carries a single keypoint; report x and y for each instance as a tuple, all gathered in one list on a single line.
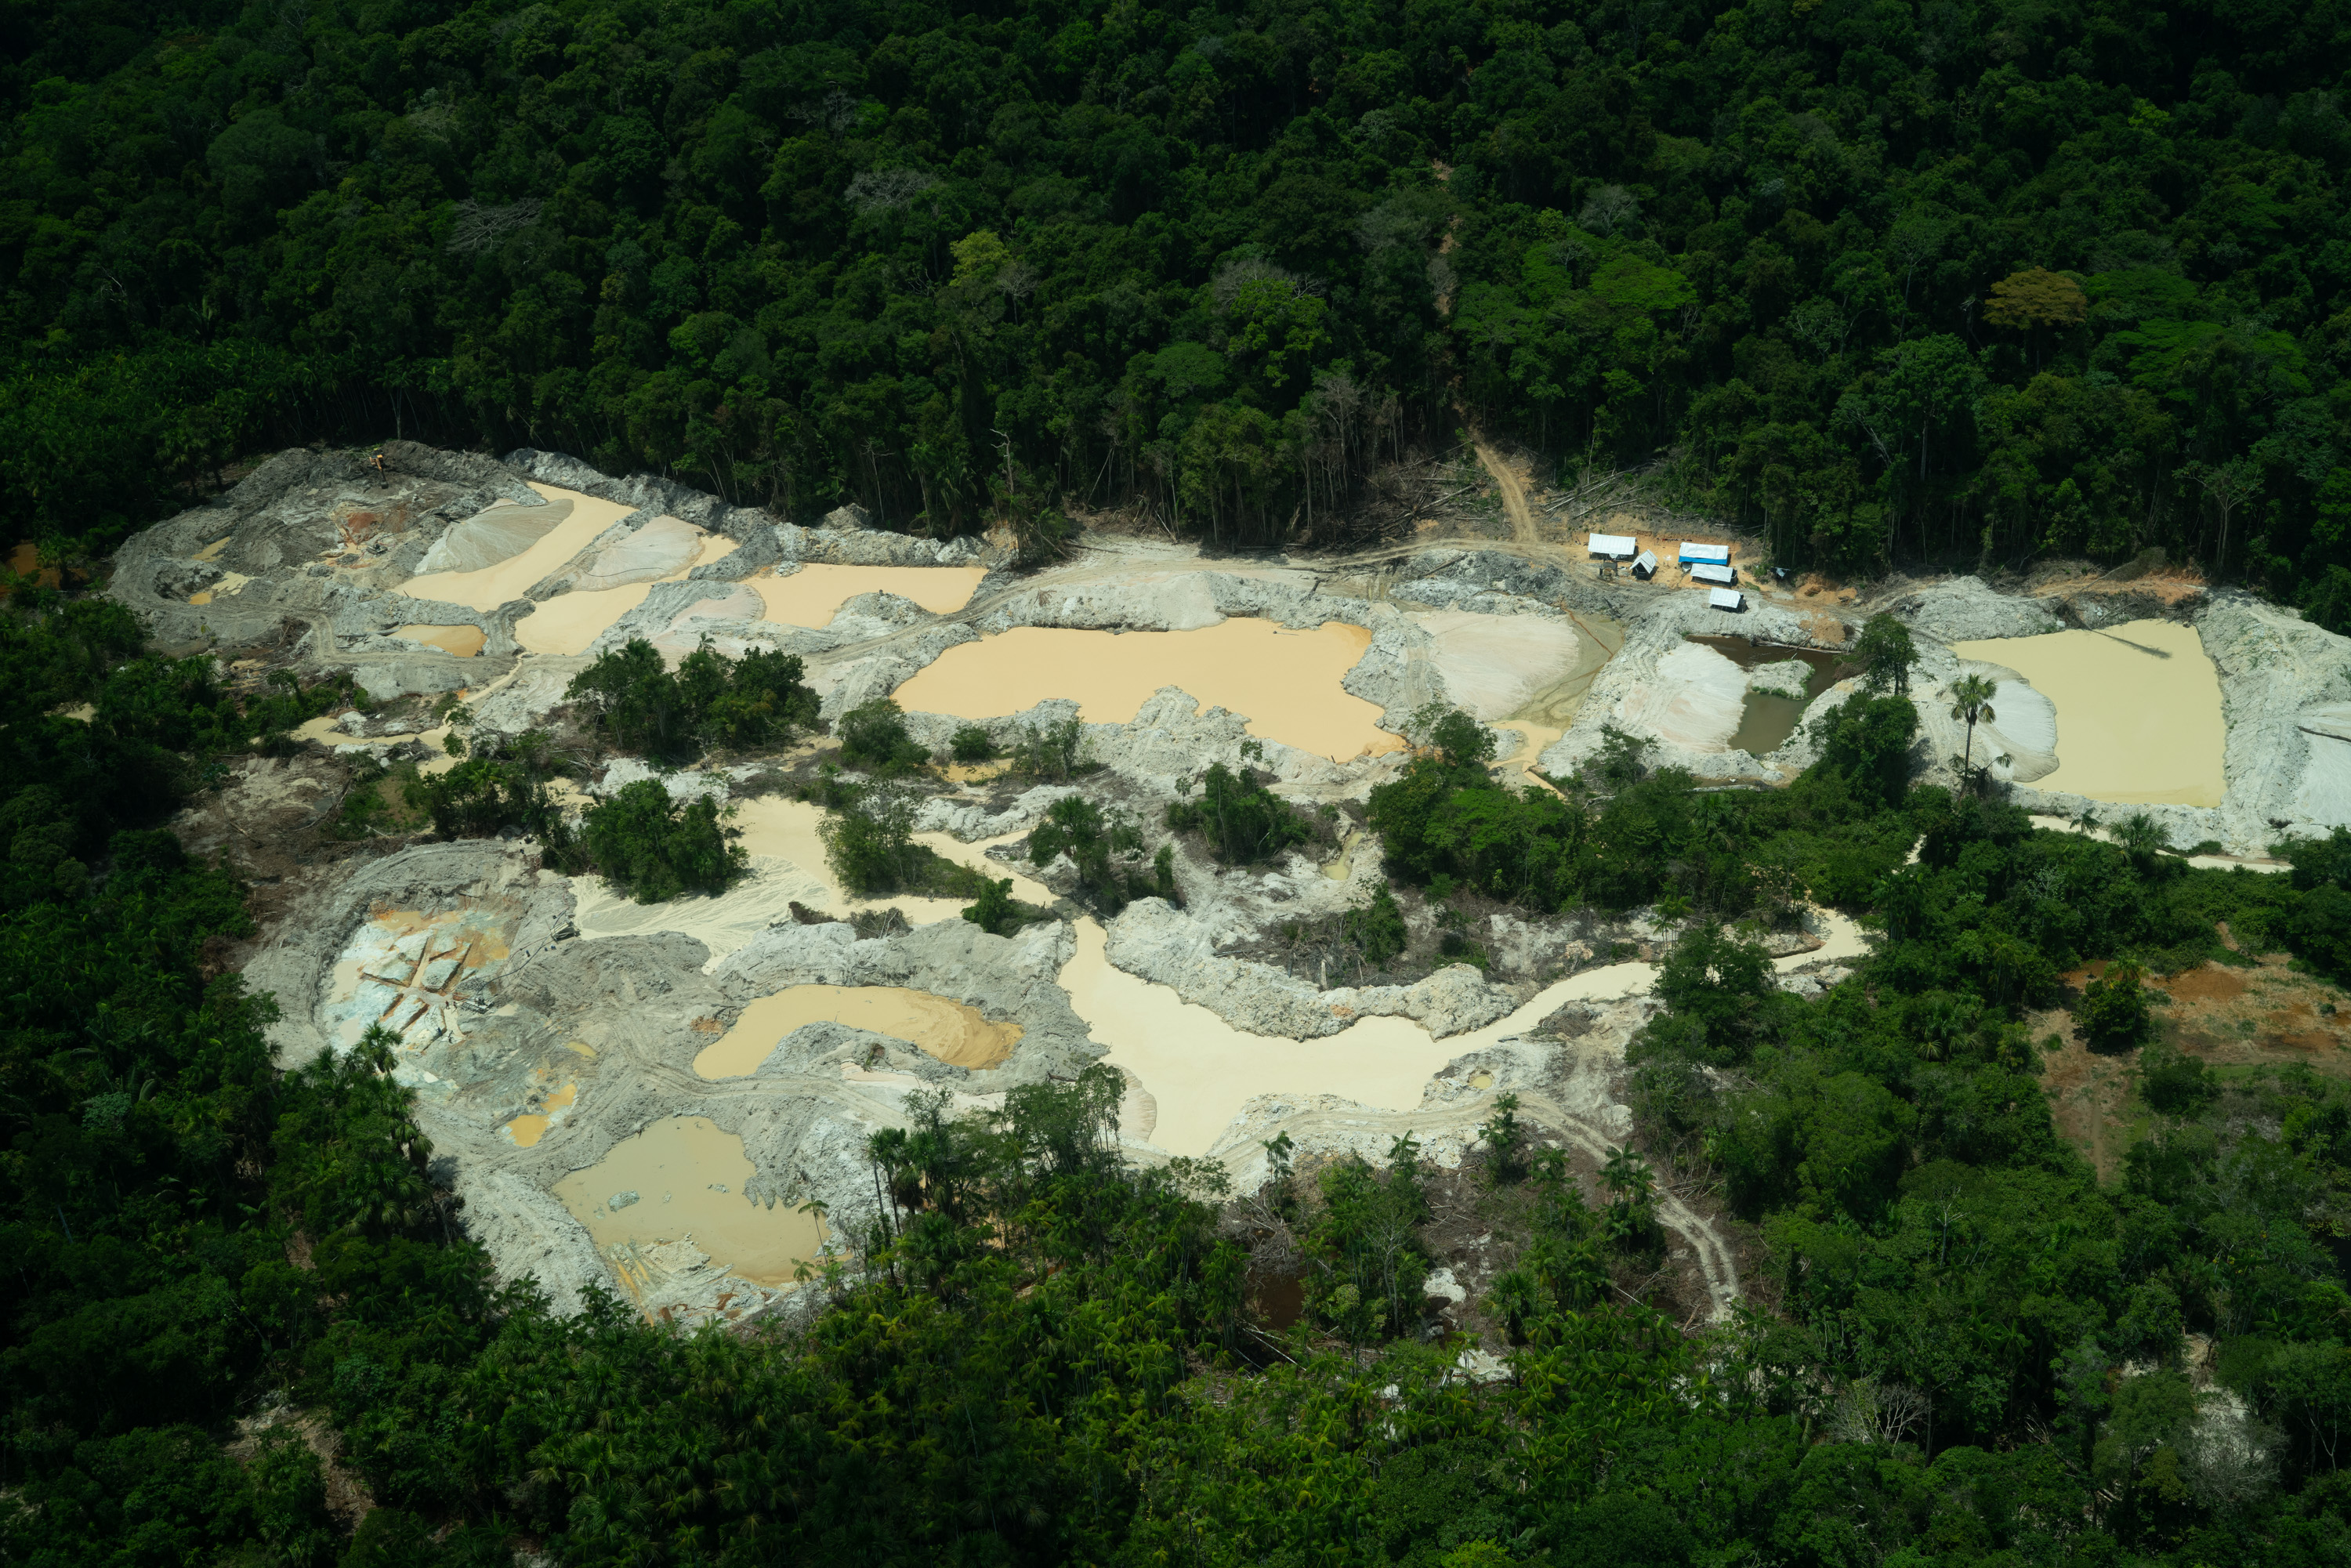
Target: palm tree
[(1971, 700)]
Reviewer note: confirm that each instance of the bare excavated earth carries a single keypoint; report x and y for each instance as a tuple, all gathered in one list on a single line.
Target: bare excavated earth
[(552, 1032)]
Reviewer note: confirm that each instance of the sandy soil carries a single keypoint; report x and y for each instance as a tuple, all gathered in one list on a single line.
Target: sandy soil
[(2264, 1014), (665, 546), (1495, 664), (2169, 584), (1695, 700), (763, 897), (1287, 683), (955, 1033), (788, 829), (1533, 739), (786, 847), (487, 537), (2138, 710), (1512, 492), (688, 1178)]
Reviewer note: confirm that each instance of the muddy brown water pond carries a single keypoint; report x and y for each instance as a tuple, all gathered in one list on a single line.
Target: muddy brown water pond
[(683, 1177), (815, 593), (1286, 681), (532, 1125), (463, 640), (2138, 709), (486, 587), (953, 1032), (1768, 720)]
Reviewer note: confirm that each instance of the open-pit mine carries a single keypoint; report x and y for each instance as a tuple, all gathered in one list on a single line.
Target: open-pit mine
[(672, 1099)]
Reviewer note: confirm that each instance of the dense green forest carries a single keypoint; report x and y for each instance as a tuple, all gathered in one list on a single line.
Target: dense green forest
[(1975, 280), (1971, 281)]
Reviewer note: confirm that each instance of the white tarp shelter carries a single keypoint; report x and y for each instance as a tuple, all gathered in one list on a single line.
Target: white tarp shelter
[(1646, 566), (1725, 599), (1712, 554), (1621, 545), (1721, 574)]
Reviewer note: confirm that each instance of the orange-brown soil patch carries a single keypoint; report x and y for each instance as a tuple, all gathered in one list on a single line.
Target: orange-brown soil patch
[(2264, 1015), (2170, 584), (2205, 983), (25, 561), (1812, 585)]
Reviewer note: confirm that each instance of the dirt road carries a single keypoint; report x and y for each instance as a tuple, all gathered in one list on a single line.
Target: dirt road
[(1514, 495)]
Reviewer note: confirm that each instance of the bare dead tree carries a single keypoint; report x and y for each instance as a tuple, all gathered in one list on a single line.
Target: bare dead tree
[(478, 227)]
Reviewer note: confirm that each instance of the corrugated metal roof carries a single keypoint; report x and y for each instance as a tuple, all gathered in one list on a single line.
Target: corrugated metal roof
[(1617, 545), (1725, 599)]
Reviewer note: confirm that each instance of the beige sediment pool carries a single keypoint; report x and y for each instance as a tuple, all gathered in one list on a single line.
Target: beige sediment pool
[(1286, 682), (568, 623), (787, 865), (463, 640), (683, 1177), (1195, 1071), (813, 594), (1342, 865), (488, 587), (2138, 710), (1198, 1070), (613, 580), (956, 1034)]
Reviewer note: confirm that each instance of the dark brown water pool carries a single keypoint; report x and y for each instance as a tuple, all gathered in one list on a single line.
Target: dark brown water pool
[(1767, 721)]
